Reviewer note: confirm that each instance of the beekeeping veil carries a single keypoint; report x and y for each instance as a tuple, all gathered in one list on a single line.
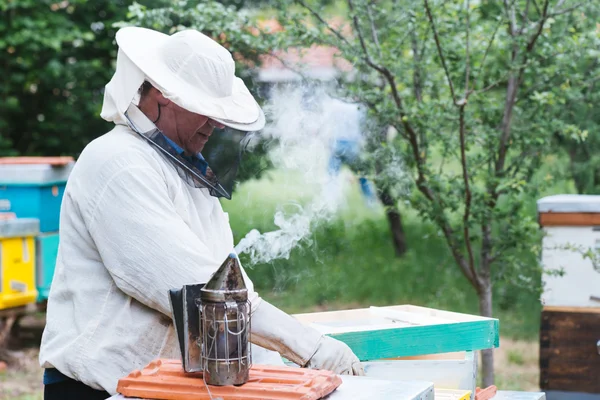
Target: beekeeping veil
[(197, 74)]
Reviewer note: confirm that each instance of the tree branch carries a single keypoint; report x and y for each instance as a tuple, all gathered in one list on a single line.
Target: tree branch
[(468, 195), (418, 88), (467, 61), (489, 46), (541, 23), (490, 87), (537, 7), (439, 48), (525, 16), (512, 20), (566, 10), (289, 66), (361, 39), (329, 27), (374, 31), (511, 94)]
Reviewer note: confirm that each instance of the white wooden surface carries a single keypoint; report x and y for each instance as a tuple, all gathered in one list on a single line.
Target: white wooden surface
[(375, 318), (570, 203), (513, 395), (446, 374), (361, 388), (580, 280)]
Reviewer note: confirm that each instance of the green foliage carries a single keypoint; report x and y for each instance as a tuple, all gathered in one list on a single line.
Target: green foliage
[(56, 58), (573, 96)]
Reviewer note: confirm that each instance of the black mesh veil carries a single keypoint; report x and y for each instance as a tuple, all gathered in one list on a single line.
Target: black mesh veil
[(215, 168)]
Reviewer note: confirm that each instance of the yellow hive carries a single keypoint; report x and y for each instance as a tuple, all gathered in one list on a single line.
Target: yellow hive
[(17, 270)]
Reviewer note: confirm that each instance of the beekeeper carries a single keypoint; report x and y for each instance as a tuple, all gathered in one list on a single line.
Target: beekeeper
[(141, 215)]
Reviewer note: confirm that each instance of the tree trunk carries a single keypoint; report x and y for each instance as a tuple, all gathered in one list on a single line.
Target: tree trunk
[(395, 221), (487, 356)]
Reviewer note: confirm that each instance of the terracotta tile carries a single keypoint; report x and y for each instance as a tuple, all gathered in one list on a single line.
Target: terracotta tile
[(36, 160), (485, 394), (165, 380)]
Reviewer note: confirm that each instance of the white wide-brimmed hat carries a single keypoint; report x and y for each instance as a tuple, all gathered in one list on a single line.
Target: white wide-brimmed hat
[(194, 72)]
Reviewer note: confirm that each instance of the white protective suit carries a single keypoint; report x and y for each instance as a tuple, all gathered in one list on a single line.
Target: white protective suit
[(130, 230)]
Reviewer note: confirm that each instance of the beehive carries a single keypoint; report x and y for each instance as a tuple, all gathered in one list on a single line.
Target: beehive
[(570, 320), (33, 187), (46, 252), (17, 262)]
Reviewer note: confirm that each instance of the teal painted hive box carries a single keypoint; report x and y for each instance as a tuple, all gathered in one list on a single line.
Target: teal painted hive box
[(377, 333), (34, 190), (47, 250)]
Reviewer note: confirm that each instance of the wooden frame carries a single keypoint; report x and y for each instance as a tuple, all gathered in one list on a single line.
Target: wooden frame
[(377, 333), (569, 219), (569, 338)]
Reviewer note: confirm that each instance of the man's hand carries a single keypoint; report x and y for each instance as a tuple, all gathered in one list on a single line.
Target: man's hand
[(335, 356), (275, 330)]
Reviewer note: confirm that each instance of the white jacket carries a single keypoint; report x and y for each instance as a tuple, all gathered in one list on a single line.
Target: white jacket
[(130, 230)]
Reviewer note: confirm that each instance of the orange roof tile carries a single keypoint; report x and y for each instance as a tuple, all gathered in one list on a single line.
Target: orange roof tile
[(166, 380)]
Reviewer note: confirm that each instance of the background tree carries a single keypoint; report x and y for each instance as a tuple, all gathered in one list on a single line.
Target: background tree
[(56, 58), (575, 101), (460, 83)]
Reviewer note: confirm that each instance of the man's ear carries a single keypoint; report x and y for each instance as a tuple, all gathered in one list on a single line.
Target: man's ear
[(161, 99)]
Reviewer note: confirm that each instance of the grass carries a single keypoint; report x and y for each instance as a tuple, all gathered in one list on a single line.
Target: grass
[(349, 261), (515, 357)]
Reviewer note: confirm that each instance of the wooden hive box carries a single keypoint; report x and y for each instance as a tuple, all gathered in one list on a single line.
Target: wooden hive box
[(570, 320), (407, 342), (377, 333)]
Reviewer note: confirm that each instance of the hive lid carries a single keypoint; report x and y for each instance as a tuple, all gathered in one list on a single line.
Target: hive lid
[(165, 380), (41, 170), (227, 284), (19, 227), (569, 203)]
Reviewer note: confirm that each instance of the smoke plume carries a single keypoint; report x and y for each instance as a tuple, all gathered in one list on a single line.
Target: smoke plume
[(301, 131)]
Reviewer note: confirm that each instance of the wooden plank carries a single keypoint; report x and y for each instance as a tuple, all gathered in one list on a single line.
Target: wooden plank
[(459, 355), (408, 317), (405, 331), (569, 359), (435, 313), (417, 340), (420, 313), (569, 219), (585, 310)]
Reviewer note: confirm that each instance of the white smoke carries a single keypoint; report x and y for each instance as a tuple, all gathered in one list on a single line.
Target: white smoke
[(302, 130)]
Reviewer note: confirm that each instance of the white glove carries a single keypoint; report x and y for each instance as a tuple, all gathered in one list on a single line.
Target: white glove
[(335, 356), (275, 330)]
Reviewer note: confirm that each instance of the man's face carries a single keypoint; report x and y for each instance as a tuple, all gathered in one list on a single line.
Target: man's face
[(189, 130)]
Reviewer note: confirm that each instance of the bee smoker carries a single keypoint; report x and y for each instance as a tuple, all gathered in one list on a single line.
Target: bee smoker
[(212, 322)]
